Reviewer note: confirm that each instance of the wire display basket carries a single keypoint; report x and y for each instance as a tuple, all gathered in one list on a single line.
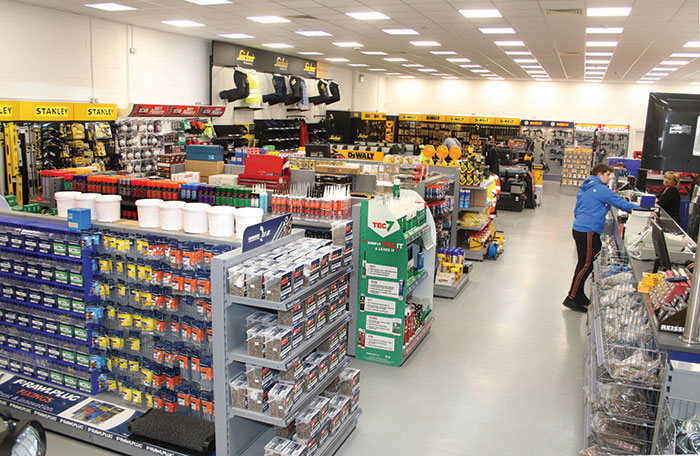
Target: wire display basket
[(620, 436), (679, 427), (624, 401)]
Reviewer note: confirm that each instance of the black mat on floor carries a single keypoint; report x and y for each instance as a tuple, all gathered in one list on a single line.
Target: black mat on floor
[(174, 431)]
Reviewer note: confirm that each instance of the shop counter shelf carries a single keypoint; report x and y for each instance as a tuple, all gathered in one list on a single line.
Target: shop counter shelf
[(329, 447), (417, 339), (476, 208), (451, 291), (476, 255), (45, 333), (483, 186), (293, 300), (44, 308), (305, 400), (240, 353), (49, 256), (43, 282), (475, 228)]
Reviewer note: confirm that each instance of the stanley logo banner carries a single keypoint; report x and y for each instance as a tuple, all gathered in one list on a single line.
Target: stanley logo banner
[(95, 112), (9, 110), (43, 111)]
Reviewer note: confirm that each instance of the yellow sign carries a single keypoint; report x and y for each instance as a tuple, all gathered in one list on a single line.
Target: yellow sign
[(363, 155), (460, 119), (246, 57), (309, 67), (9, 110), (42, 111), (408, 116), (507, 121), (373, 116), (482, 120), (282, 63), (94, 112), (457, 119)]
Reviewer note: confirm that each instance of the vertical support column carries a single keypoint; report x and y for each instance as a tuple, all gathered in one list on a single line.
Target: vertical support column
[(692, 319)]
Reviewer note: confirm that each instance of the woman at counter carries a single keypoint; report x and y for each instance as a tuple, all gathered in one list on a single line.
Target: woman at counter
[(670, 199)]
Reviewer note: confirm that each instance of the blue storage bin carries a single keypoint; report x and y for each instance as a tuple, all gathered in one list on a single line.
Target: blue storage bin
[(205, 152)]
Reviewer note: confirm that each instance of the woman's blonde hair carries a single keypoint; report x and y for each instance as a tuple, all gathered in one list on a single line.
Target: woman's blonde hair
[(675, 176)]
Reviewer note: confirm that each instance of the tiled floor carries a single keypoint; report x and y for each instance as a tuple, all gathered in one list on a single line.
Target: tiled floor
[(502, 371)]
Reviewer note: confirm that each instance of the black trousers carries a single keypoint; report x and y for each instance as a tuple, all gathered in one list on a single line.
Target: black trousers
[(588, 247)]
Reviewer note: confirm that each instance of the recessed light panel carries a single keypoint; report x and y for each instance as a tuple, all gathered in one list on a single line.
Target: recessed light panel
[(598, 61), (443, 52), (604, 30), (601, 43), (480, 70), (337, 59), (686, 55), (609, 11), (313, 33), (480, 13), (518, 53), (310, 53), (470, 65), (357, 64), (348, 44), (368, 16), (426, 43), (458, 60), (376, 69), (509, 43), (497, 31), (599, 54), (395, 59), (183, 23), (427, 70), (525, 60), (412, 65), (111, 7), (400, 31), (235, 36), (675, 62), (374, 52), (268, 19), (406, 77), (278, 45), (210, 2)]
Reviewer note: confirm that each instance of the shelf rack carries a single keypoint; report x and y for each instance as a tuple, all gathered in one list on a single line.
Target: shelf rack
[(245, 432), (452, 291)]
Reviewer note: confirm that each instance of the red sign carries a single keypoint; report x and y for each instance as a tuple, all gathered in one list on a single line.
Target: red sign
[(211, 111), (587, 127), (147, 110), (616, 128), (182, 111)]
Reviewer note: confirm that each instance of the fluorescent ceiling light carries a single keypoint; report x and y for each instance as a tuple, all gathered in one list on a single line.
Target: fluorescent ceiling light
[(278, 45), (449, 77), (235, 36), (675, 62), (609, 12), (649, 78), (536, 72), (406, 77), (530, 66), (496, 78), (595, 73), (368, 16), (601, 43), (400, 31), (395, 59), (497, 30), (337, 59), (596, 68), (518, 53), (357, 64), (509, 43), (525, 60), (599, 54), (313, 33), (440, 74), (374, 53), (657, 73), (412, 65), (458, 60), (209, 2), (603, 30), (376, 69), (692, 44), (598, 61), (426, 43), (644, 81), (427, 70), (443, 52), (687, 55), (310, 53), (183, 23), (667, 69), (392, 74), (481, 70), (348, 44), (268, 19), (111, 7), (470, 65), (480, 13), (543, 79)]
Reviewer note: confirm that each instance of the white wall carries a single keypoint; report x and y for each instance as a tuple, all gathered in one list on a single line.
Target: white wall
[(48, 57), (576, 102)]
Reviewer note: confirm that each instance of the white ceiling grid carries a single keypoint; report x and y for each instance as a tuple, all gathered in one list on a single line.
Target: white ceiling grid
[(653, 31)]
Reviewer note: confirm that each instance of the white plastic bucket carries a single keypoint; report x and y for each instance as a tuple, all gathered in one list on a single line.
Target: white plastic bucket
[(65, 201), (87, 201), (195, 218), (149, 212), (108, 208), (245, 217), (171, 215), (221, 221)]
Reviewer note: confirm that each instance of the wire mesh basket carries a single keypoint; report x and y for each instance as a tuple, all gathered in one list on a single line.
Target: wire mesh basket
[(620, 436), (679, 427), (624, 401)]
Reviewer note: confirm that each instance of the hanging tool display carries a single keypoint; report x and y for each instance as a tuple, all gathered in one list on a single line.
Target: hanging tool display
[(13, 176)]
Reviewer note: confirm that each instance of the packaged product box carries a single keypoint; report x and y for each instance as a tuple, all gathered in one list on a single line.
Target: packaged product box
[(294, 372), (258, 400), (311, 376), (276, 446), (355, 401), (292, 316), (298, 275), (239, 391), (295, 449), (308, 423), (311, 444), (256, 340), (311, 303), (321, 318), (298, 333), (322, 404), (310, 327), (324, 432), (335, 419), (329, 344), (281, 398), (349, 381), (278, 343), (259, 377), (205, 168), (343, 403), (299, 388)]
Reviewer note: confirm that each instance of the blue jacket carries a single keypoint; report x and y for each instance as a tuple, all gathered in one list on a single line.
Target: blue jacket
[(593, 203)]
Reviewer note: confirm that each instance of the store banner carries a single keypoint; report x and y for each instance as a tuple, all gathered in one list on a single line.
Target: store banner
[(369, 155), (228, 55), (45, 111), (267, 231), (546, 123), (9, 110), (182, 111), (95, 112), (148, 110), (151, 110), (608, 128), (72, 409)]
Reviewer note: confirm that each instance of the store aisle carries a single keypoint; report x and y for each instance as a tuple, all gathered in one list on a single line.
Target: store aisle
[(502, 371)]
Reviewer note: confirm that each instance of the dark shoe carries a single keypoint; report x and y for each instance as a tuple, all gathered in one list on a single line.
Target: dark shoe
[(572, 304), (583, 300)]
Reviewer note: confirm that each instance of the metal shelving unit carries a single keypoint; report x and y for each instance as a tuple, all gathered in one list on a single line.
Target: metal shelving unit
[(447, 291), (242, 431)]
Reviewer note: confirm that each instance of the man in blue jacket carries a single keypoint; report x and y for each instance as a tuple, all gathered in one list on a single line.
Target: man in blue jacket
[(592, 205)]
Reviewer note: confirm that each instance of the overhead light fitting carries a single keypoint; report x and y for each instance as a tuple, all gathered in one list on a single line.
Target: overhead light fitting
[(358, 65), (675, 62), (313, 33), (374, 53), (480, 70), (209, 2), (392, 74), (497, 31), (183, 23), (458, 60), (609, 12), (368, 16), (376, 69), (407, 77), (525, 60), (599, 54), (443, 52), (645, 81), (400, 31), (530, 66), (348, 44), (427, 70), (337, 59), (449, 77), (310, 53), (480, 13), (235, 36), (278, 45), (395, 59), (687, 55), (111, 7), (598, 61), (518, 53), (603, 30), (668, 69), (509, 43), (268, 19), (601, 43), (692, 44), (470, 65), (412, 65), (426, 43)]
